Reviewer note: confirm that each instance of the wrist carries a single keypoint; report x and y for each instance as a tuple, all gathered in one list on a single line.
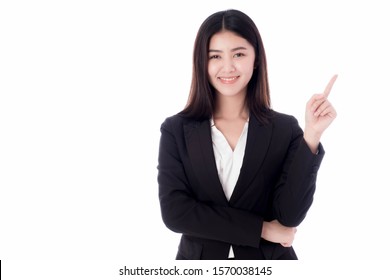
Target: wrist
[(264, 230), (312, 140)]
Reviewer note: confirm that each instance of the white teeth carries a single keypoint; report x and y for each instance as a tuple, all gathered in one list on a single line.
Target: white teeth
[(228, 79)]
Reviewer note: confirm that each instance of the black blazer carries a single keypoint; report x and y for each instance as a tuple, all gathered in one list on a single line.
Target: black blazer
[(276, 181)]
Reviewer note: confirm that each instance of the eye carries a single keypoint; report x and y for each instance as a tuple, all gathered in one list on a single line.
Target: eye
[(215, 56), (239, 55)]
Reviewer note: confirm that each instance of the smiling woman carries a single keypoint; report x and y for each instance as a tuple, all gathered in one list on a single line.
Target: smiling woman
[(232, 61), (235, 177)]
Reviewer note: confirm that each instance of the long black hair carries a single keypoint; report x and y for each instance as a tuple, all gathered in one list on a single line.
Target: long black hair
[(201, 100)]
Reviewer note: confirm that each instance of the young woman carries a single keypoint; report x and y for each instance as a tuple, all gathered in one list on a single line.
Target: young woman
[(235, 177)]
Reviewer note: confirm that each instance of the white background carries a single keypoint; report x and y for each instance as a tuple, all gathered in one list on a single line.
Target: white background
[(85, 86)]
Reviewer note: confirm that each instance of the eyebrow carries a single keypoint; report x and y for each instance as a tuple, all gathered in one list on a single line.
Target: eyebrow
[(232, 50)]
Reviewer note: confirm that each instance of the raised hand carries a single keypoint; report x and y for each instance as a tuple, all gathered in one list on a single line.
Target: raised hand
[(319, 115)]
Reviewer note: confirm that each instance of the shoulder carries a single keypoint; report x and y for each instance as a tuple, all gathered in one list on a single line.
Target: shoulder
[(176, 122), (281, 119), (285, 125)]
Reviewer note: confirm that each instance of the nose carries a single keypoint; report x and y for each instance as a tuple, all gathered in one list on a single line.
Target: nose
[(228, 66)]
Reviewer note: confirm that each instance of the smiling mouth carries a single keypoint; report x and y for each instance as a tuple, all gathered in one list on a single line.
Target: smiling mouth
[(228, 80)]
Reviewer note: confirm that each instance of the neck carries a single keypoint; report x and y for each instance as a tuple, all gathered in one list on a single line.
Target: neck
[(231, 107)]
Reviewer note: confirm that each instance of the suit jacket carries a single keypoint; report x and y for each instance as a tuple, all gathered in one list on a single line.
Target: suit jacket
[(277, 181)]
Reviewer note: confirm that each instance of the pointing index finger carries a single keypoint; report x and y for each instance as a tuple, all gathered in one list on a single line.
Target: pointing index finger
[(330, 85)]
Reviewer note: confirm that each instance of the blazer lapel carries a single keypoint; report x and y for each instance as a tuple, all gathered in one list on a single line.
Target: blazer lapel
[(258, 140), (201, 154)]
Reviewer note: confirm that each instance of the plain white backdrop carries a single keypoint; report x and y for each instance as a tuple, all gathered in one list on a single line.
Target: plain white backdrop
[(85, 86)]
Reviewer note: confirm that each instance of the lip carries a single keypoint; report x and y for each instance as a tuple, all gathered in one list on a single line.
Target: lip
[(228, 80)]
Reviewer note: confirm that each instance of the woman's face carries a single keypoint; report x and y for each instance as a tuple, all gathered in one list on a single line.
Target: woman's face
[(231, 63)]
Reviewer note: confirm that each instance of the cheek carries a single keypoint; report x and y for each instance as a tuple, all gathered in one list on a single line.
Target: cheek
[(211, 69), (250, 71), (212, 74), (248, 68)]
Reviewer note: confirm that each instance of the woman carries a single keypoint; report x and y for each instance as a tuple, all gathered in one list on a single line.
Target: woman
[(235, 177)]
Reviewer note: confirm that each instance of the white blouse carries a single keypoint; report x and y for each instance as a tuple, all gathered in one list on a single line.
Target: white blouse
[(228, 162)]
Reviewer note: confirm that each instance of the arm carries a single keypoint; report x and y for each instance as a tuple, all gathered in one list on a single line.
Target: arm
[(295, 190), (293, 194), (182, 212)]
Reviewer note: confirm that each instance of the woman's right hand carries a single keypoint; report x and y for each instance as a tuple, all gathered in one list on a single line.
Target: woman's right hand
[(275, 232)]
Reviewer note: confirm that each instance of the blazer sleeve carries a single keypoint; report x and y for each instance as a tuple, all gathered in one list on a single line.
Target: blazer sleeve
[(183, 213), (295, 189)]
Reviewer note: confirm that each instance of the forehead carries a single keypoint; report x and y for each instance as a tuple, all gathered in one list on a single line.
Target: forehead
[(227, 39)]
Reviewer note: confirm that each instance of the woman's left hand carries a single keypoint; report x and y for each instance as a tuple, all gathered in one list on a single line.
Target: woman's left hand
[(320, 113)]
